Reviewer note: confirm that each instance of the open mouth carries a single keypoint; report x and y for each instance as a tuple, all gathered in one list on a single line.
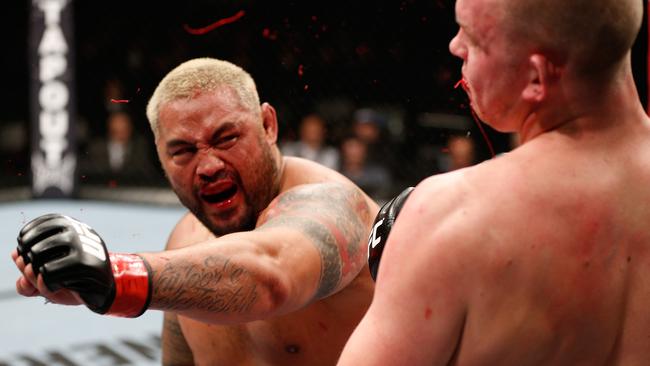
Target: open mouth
[(220, 196)]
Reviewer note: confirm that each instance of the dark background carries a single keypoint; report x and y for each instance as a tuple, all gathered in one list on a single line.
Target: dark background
[(332, 56)]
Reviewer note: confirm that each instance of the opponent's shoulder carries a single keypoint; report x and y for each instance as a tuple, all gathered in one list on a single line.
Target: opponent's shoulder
[(439, 196), (187, 231), (433, 242), (444, 216)]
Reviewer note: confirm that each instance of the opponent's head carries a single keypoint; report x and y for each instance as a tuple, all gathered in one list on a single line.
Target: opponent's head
[(513, 50), (216, 143), (592, 38)]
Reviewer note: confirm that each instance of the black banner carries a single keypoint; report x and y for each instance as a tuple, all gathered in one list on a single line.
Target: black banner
[(52, 104)]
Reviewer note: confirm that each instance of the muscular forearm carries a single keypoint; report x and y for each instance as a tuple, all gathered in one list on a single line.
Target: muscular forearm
[(227, 280)]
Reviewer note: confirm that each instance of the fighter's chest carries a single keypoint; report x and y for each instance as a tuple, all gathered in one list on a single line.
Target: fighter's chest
[(301, 338)]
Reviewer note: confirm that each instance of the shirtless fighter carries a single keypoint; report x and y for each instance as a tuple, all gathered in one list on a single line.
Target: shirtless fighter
[(540, 256), (267, 269)]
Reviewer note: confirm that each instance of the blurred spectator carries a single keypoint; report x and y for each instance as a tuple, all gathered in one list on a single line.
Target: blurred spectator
[(375, 179), (460, 153), (113, 90), (123, 157), (312, 143), (369, 127)]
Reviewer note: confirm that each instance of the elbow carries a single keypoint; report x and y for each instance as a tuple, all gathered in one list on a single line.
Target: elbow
[(273, 287), (276, 293)]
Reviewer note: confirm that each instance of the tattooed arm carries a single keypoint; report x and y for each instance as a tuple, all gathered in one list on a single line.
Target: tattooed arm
[(309, 244)]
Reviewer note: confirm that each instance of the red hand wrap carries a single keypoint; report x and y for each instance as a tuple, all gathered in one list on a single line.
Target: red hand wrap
[(132, 288)]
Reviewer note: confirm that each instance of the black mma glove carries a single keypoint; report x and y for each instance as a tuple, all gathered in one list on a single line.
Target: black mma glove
[(71, 255), (381, 228)]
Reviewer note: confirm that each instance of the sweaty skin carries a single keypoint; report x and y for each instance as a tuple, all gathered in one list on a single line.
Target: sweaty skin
[(313, 335)]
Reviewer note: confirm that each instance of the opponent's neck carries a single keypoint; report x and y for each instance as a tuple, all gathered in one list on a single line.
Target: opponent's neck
[(585, 107)]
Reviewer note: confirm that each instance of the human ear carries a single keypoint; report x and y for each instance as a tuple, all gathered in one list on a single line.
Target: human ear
[(269, 122), (541, 73)]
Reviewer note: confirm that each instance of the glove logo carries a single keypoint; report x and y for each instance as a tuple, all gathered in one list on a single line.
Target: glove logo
[(374, 240), (91, 243)]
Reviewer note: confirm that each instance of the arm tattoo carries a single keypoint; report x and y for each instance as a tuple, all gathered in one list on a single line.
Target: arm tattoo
[(215, 286), (327, 247), (334, 218)]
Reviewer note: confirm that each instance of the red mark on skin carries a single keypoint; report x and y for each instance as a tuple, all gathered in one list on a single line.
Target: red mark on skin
[(322, 326), (427, 313), (300, 70), (215, 25), (463, 83)]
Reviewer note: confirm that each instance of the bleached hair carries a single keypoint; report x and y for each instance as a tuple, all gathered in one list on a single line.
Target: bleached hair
[(201, 75)]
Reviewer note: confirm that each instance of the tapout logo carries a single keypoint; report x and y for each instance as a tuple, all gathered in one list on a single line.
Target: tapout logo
[(53, 157)]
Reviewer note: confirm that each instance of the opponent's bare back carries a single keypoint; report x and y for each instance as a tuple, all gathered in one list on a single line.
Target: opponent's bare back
[(555, 251), (538, 257)]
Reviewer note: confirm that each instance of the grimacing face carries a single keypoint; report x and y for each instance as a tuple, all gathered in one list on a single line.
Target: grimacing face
[(218, 158)]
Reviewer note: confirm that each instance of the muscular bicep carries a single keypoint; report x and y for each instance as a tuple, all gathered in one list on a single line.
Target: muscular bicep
[(175, 350), (334, 219)]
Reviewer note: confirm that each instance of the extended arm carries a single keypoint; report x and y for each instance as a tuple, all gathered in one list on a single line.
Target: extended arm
[(309, 243)]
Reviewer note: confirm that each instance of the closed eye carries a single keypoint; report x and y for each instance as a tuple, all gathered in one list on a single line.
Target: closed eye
[(228, 141), (182, 151)]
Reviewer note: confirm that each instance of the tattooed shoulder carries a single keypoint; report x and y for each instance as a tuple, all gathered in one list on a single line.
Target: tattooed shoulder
[(334, 217)]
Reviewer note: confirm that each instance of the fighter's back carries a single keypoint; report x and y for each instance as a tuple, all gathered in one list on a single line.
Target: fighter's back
[(560, 274)]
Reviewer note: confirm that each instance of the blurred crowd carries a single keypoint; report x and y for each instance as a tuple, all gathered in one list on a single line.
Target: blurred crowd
[(368, 90), (370, 147)]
